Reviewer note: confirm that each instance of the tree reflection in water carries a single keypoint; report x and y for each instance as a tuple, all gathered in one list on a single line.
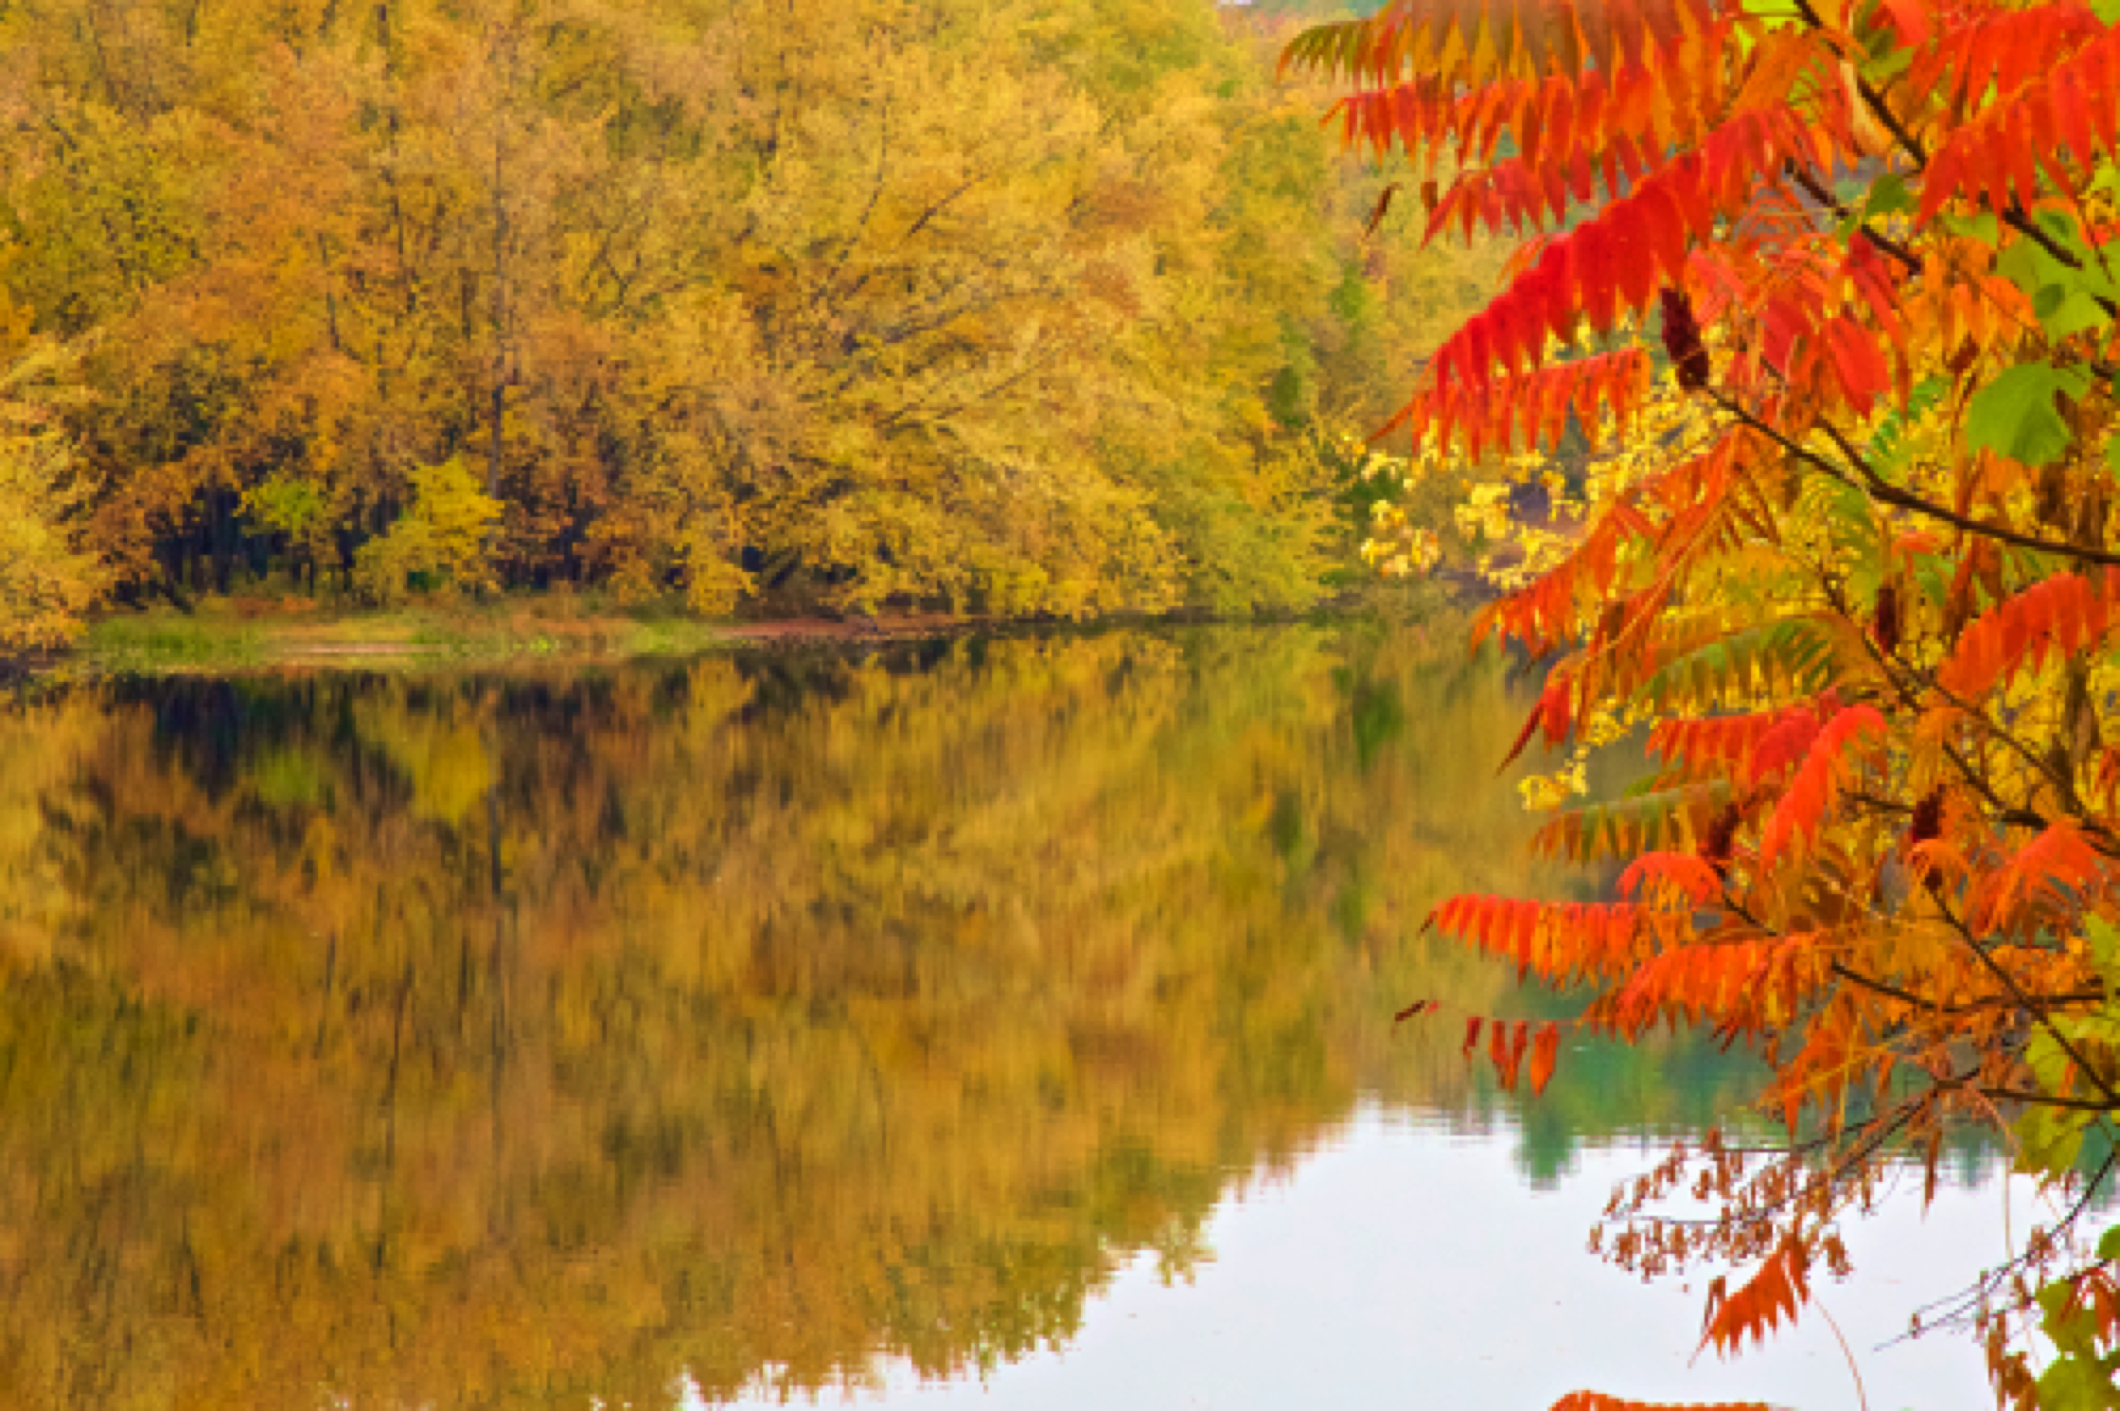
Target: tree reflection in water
[(479, 1040)]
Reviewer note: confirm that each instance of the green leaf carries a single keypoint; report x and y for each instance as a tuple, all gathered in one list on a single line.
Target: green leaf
[(2015, 415), (2065, 312), (1889, 196), (2047, 1059), (2104, 938), (1792, 657), (2058, 224), (1888, 446), (2049, 1140), (2079, 1379), (2075, 1382), (1881, 68), (2050, 278), (1982, 227), (2109, 1244), (2027, 265), (2022, 265)]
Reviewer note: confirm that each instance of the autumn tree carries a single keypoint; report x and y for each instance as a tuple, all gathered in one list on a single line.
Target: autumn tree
[(47, 580), (1828, 290), (1038, 309)]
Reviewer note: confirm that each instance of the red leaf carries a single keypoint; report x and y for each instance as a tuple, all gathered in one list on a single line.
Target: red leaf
[(1816, 784), (1553, 713), (1910, 18), (1864, 375), (1781, 746), (1785, 323), (1579, 274), (2064, 101)]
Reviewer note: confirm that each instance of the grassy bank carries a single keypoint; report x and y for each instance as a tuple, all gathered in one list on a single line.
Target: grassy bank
[(232, 634), (237, 634)]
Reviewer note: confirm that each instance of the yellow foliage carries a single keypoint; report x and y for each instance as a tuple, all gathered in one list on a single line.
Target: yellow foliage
[(46, 581), (441, 542), (1033, 309)]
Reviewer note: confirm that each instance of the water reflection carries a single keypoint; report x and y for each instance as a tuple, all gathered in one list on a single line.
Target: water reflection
[(1400, 1266), (577, 1038)]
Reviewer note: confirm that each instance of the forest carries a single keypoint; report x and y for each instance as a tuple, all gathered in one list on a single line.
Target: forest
[(1039, 308)]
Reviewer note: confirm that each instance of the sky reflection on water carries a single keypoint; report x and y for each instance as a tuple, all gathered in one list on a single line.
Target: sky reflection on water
[(1407, 1262)]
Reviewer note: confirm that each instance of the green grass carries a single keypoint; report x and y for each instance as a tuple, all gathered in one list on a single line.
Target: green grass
[(223, 635), (166, 641), (228, 635)]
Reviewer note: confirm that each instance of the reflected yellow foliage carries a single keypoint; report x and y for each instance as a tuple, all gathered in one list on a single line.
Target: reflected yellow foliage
[(528, 1039)]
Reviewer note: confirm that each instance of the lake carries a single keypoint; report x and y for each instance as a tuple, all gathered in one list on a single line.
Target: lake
[(1000, 1023)]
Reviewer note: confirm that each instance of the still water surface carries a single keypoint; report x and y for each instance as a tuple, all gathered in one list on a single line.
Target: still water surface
[(1004, 1024)]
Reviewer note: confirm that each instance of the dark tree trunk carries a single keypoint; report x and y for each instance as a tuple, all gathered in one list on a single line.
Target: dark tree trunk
[(172, 554), (221, 535)]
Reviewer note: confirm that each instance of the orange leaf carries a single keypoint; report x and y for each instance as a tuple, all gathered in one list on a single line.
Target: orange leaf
[(1543, 1054), (2064, 614), (1564, 941), (1812, 791), (1679, 876), (1772, 1295), (2053, 869)]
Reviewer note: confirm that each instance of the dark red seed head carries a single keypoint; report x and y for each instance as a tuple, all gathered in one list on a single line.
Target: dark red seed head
[(1884, 622), (1928, 818), (1927, 824), (1721, 837), (1682, 341)]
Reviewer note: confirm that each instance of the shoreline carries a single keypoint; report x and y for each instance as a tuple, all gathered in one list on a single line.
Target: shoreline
[(227, 636)]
